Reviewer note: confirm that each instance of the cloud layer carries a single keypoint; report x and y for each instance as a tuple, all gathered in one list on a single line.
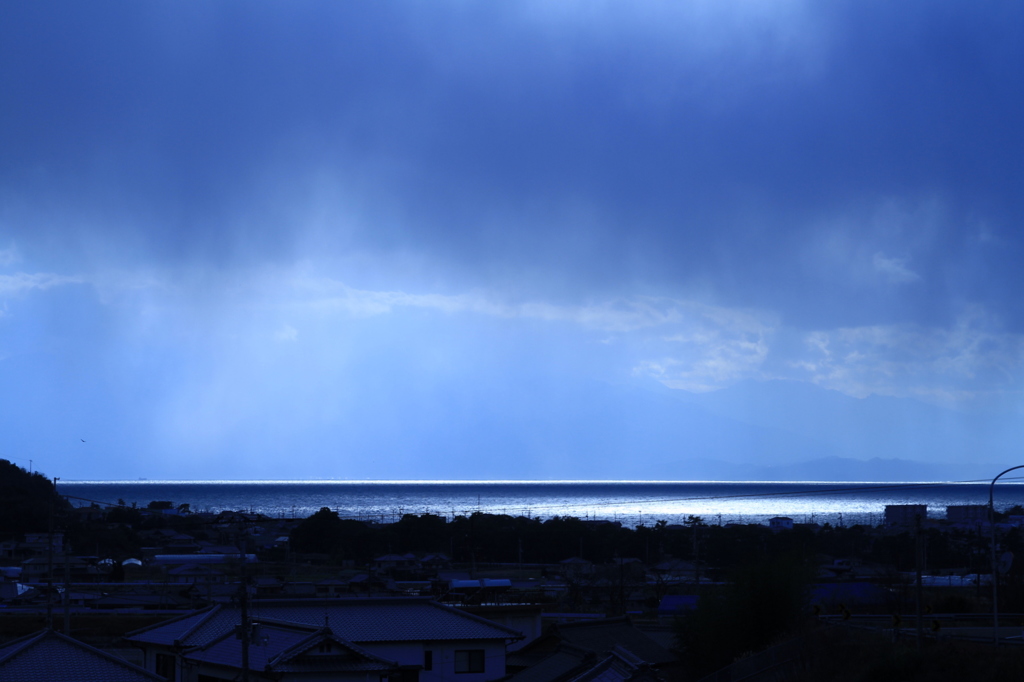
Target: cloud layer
[(252, 226)]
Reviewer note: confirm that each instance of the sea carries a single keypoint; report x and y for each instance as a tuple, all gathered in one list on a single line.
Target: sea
[(630, 502)]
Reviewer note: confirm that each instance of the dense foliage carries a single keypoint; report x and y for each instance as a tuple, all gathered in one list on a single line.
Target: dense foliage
[(26, 501), (760, 602)]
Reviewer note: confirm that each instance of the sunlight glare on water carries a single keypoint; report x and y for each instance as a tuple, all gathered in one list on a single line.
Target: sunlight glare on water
[(630, 502)]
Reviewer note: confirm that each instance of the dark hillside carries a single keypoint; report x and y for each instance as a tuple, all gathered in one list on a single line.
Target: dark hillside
[(25, 500)]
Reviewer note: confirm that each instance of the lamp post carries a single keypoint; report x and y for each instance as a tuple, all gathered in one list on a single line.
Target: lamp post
[(995, 577)]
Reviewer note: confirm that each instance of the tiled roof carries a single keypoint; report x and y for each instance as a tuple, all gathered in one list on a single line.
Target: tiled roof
[(354, 620), (612, 669), (561, 664), (227, 649), (49, 656), (173, 630), (571, 664), (281, 648), (349, 657), (129, 600), (602, 636)]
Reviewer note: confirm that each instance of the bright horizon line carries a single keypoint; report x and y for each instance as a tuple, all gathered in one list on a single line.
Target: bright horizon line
[(146, 481)]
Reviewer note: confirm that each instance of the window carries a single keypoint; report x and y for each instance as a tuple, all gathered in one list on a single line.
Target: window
[(428, 660), (469, 661), (165, 666)]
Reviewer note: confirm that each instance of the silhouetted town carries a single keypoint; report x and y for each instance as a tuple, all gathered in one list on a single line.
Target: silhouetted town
[(164, 592)]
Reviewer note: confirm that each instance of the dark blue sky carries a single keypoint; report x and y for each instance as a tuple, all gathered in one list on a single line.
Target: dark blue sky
[(519, 240)]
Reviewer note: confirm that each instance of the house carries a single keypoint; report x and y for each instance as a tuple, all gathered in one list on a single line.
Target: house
[(480, 590), (780, 523), (268, 586), (16, 593), (628, 567), (575, 567), (567, 651), (49, 656), (424, 640), (572, 664), (171, 542), (524, 618), (390, 562), (194, 573), (284, 651), (435, 562), (75, 568)]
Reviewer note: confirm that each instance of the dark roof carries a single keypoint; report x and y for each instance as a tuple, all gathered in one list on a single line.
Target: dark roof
[(672, 603), (174, 629), (572, 664), (49, 656), (194, 569), (602, 636), (128, 600), (354, 620), (618, 666), (280, 648), (348, 657), (565, 662)]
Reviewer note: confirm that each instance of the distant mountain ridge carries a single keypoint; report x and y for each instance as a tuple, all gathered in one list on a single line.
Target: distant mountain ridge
[(850, 470), (882, 427), (769, 431)]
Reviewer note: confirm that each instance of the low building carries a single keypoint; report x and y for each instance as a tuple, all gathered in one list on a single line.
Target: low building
[(780, 523), (905, 515), (967, 515)]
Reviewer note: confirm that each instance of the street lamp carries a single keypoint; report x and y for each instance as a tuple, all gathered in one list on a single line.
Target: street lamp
[(995, 579)]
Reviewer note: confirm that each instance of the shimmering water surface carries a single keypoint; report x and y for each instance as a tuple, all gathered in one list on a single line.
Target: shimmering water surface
[(629, 502)]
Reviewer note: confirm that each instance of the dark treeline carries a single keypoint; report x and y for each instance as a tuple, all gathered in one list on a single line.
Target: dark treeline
[(507, 539), (27, 501)]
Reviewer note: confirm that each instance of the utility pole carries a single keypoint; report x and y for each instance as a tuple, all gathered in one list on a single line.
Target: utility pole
[(49, 561), (918, 560), (67, 594), (622, 585), (244, 629), (995, 570), (696, 556)]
